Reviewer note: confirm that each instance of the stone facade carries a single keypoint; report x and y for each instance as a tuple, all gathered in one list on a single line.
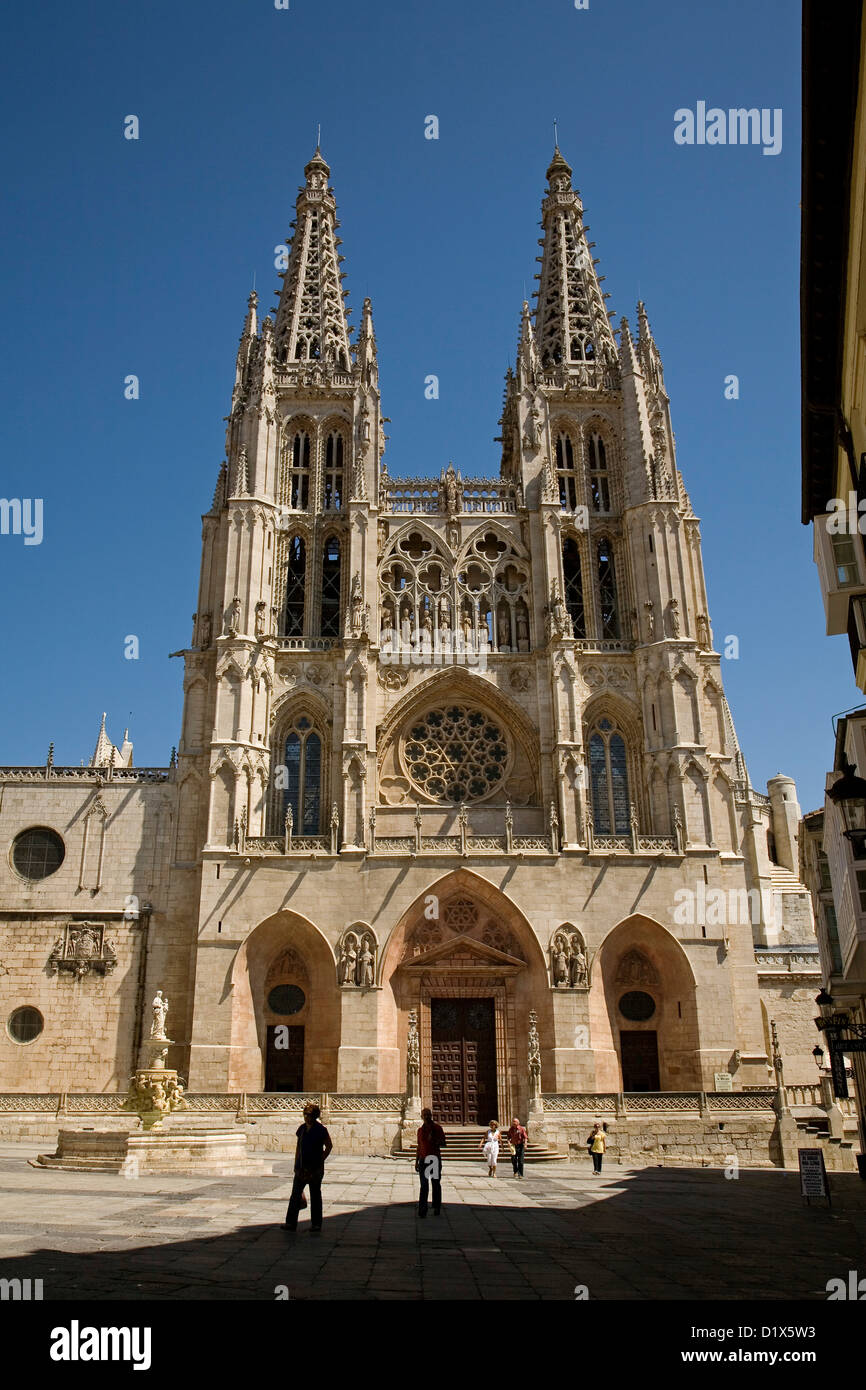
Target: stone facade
[(447, 739)]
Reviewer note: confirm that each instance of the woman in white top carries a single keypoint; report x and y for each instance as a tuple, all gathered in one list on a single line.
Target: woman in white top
[(490, 1148)]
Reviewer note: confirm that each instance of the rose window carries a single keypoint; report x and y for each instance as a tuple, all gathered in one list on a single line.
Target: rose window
[(456, 754)]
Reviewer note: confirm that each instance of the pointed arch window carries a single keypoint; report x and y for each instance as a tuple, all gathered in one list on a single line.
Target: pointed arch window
[(607, 590), (599, 478), (331, 588), (608, 777), (299, 482), (334, 472), (296, 583), (565, 473), (573, 586), (303, 777)]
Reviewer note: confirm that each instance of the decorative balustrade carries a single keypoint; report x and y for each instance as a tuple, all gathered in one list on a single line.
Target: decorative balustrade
[(599, 376), (307, 644), (804, 1095), (604, 644), (425, 495), (659, 1102), (50, 773)]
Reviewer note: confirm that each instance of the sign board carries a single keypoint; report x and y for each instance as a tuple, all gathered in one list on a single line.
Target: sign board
[(837, 1071), (854, 1045), (813, 1174), (723, 1081)]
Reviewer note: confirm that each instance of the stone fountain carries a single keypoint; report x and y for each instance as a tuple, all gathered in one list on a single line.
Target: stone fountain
[(155, 1094)]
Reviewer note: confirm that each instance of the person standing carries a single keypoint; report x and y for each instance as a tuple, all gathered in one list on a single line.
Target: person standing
[(311, 1151), (490, 1148), (517, 1138), (428, 1162), (597, 1143)]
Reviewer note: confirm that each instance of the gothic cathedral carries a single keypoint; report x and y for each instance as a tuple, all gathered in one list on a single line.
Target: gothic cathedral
[(459, 810)]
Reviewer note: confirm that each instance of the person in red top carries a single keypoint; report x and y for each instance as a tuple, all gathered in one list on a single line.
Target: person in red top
[(428, 1162), (517, 1138)]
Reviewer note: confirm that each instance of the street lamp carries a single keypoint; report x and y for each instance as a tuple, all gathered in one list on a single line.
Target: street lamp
[(818, 1054), (849, 794)]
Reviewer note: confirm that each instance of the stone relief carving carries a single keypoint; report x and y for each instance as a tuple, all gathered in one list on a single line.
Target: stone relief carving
[(636, 969), (568, 963), (357, 953), (81, 950)]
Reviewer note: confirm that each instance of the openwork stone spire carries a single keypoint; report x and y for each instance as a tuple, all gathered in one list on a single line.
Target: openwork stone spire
[(571, 324), (311, 321)]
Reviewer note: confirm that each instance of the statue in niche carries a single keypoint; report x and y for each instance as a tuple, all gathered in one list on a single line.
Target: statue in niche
[(444, 614), (483, 635), (205, 631), (674, 617), (704, 639), (349, 959), (467, 630), (261, 610), (194, 621), (632, 624), (366, 962), (522, 631), (559, 961), (504, 631), (357, 604), (160, 1011), (232, 618), (577, 967), (406, 622), (650, 620)]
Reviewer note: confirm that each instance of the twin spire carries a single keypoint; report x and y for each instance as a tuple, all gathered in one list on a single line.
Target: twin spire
[(312, 322)]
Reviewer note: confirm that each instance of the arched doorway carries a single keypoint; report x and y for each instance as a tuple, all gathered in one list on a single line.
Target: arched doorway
[(467, 962), (285, 1030), (643, 1011)]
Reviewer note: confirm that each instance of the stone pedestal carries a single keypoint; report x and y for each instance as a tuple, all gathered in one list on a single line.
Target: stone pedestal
[(218, 1152)]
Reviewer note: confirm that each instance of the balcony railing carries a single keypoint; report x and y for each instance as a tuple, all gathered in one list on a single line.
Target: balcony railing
[(425, 496), (49, 773)]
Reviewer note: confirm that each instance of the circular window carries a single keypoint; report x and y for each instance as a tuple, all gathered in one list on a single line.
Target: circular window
[(637, 1006), (25, 1024), (37, 853), (286, 999), (456, 754)]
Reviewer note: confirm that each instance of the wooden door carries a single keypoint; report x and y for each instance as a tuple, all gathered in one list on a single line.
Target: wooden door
[(284, 1061), (463, 1038), (640, 1059)]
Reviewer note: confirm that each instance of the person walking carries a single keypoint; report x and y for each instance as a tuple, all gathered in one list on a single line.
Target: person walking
[(428, 1162), (311, 1151), (490, 1148), (518, 1139), (597, 1143)]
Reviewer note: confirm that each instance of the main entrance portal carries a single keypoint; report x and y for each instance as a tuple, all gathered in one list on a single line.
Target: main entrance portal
[(463, 1038)]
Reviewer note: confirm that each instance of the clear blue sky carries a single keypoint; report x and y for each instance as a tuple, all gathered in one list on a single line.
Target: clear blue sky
[(137, 257)]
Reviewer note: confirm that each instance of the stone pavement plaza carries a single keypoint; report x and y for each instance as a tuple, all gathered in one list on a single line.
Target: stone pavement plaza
[(653, 1233)]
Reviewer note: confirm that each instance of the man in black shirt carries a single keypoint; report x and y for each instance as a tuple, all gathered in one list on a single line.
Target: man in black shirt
[(313, 1146)]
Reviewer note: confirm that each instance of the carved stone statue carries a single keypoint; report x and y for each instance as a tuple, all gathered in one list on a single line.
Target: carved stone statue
[(577, 966), (452, 491), (522, 631), (349, 959), (703, 625), (232, 618), (205, 631), (261, 611), (650, 620), (674, 617), (559, 962), (466, 625), (413, 1051), (357, 604), (160, 1010), (504, 631), (534, 1055), (366, 963)]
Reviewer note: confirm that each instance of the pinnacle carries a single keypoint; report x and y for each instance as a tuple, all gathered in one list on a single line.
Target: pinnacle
[(558, 165)]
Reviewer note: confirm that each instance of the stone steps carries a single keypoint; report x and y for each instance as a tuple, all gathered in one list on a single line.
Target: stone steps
[(464, 1146)]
